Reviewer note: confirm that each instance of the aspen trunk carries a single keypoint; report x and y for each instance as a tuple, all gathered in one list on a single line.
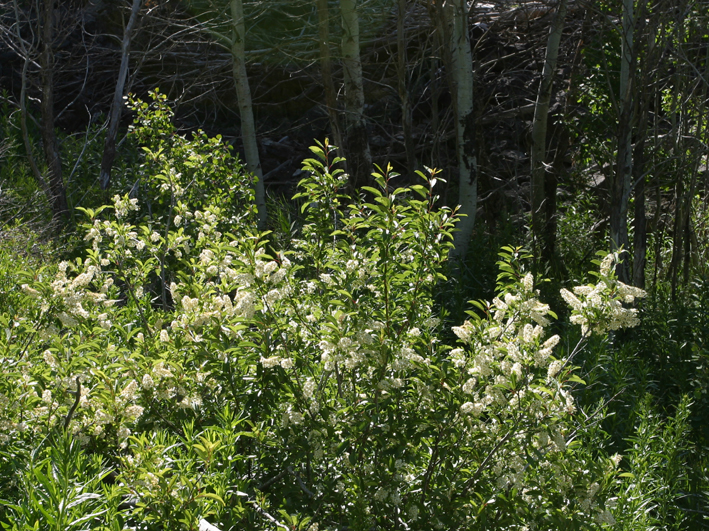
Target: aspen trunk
[(456, 14), (243, 93), (326, 72), (620, 187), (539, 131), (359, 159), (109, 148), (60, 210)]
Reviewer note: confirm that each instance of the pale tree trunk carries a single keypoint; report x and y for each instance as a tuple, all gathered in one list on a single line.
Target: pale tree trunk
[(109, 147), (60, 210), (456, 18), (539, 134), (403, 88), (326, 72), (620, 187), (243, 93), (359, 158)]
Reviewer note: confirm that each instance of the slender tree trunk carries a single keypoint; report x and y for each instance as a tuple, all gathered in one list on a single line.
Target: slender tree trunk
[(326, 72), (456, 13), (402, 64), (539, 130), (359, 158), (23, 110), (243, 93), (640, 222), (681, 199), (559, 171), (688, 229), (551, 186), (658, 225), (678, 234), (60, 210), (109, 146), (436, 58), (639, 177), (698, 155), (620, 187)]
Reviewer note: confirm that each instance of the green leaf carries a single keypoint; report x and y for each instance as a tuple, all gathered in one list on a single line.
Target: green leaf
[(211, 496), (575, 378), (374, 191)]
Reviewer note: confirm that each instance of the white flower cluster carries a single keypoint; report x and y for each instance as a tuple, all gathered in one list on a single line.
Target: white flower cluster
[(507, 351), (508, 374), (599, 308), (524, 304), (207, 222), (123, 205), (211, 307), (72, 297), (346, 351)]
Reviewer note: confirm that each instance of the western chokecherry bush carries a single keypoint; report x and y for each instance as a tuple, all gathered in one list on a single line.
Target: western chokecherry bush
[(185, 373)]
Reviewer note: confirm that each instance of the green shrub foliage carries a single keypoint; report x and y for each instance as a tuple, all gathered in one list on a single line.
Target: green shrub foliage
[(183, 373)]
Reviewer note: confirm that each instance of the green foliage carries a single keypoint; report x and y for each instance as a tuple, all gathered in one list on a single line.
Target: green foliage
[(652, 382), (578, 232), (222, 380), (178, 174), (653, 490), (62, 488), (21, 200), (284, 31)]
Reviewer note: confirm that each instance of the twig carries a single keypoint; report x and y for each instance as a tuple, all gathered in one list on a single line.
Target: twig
[(69, 415), (305, 489), (483, 465), (261, 511), (269, 482)]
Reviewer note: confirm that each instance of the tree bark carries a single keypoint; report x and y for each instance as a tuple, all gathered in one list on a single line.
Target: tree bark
[(243, 92), (406, 119), (60, 210), (678, 232), (326, 72), (539, 132), (359, 158), (456, 14), (639, 160), (620, 187), (640, 221), (109, 147)]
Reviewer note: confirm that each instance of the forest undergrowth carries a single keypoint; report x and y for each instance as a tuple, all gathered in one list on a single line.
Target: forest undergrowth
[(175, 368)]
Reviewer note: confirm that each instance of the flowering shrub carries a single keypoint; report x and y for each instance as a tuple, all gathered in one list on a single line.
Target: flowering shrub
[(600, 308), (210, 379)]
